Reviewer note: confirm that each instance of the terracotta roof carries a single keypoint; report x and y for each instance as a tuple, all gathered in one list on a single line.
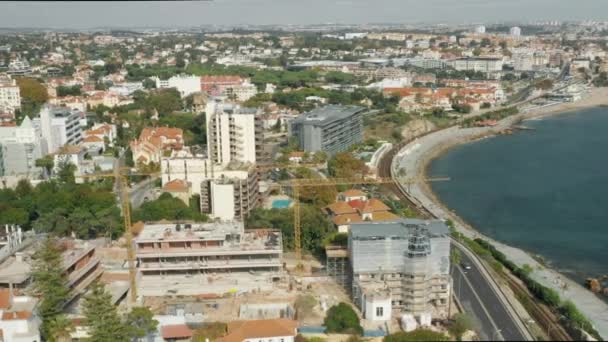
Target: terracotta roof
[(5, 298), (176, 331), (384, 216), (220, 79), (177, 185), (267, 328), (346, 219), (353, 193), (340, 208), (369, 206), (92, 138), (15, 315)]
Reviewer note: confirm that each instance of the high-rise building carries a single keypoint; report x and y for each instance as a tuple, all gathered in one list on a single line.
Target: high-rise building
[(480, 29), (515, 31), (330, 129), (234, 133), (59, 126), (400, 267), (10, 98), (226, 192)]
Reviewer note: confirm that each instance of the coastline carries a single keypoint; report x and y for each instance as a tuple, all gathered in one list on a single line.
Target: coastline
[(592, 306)]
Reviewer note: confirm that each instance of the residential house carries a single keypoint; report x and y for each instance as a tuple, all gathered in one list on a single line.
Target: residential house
[(267, 330), (154, 142)]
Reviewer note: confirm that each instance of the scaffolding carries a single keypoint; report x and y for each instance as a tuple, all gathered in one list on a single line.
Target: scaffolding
[(338, 266)]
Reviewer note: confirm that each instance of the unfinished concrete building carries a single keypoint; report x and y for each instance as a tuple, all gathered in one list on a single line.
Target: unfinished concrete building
[(80, 262), (220, 255), (400, 267)]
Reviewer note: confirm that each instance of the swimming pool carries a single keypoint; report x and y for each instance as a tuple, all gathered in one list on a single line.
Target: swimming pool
[(281, 203)]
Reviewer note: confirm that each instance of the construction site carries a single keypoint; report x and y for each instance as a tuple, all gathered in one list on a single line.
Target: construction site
[(220, 258)]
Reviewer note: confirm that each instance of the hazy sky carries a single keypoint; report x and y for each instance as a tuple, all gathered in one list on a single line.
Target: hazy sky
[(233, 12)]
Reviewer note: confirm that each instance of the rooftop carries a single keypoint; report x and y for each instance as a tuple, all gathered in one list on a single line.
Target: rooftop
[(327, 114), (397, 228)]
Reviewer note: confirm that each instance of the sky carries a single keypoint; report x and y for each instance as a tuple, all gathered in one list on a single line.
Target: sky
[(83, 15)]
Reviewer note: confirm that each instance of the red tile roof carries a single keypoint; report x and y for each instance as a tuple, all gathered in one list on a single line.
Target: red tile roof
[(176, 331), (239, 331)]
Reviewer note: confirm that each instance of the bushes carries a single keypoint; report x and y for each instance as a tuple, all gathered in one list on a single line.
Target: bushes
[(342, 318), (416, 335), (574, 319)]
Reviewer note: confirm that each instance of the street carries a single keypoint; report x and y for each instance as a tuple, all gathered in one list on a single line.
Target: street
[(481, 301)]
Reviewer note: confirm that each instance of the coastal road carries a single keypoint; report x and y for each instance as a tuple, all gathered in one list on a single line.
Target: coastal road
[(480, 300)]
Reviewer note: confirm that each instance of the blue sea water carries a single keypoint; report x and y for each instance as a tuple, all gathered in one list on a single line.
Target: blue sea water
[(545, 191)]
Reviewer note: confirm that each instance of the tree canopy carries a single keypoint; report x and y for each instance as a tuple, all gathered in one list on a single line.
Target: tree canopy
[(167, 207), (51, 285), (89, 210), (342, 318), (315, 225), (416, 335)]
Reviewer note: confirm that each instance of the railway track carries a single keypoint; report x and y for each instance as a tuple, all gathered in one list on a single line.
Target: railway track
[(541, 314)]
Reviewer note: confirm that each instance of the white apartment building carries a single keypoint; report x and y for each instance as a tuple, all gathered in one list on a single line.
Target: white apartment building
[(241, 92), (19, 149), (10, 98), (483, 64), (226, 192), (59, 126), (515, 31), (186, 85), (234, 133)]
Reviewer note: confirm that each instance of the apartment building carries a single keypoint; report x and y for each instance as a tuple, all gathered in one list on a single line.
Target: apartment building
[(400, 267), (241, 92), (217, 85), (19, 148), (10, 98), (330, 129), (206, 249), (482, 64), (234, 133), (59, 126), (186, 85), (226, 192), (154, 141)]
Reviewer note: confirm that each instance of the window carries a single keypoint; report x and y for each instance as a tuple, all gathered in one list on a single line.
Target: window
[(380, 311)]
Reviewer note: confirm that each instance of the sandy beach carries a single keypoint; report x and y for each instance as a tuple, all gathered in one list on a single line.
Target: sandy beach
[(417, 156)]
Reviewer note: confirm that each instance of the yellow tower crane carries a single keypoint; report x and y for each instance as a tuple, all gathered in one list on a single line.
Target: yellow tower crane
[(126, 213)]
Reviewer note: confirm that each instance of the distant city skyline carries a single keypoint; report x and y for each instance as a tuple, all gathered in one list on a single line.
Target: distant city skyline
[(86, 15)]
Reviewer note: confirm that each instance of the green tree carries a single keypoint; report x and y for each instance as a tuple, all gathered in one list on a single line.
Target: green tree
[(47, 163), (59, 329), (101, 316), (50, 284), (66, 171), (210, 332), (416, 335), (141, 322), (342, 318), (32, 91), (345, 165), (167, 207), (461, 324)]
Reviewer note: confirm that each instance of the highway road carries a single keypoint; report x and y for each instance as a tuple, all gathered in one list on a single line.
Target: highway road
[(480, 300)]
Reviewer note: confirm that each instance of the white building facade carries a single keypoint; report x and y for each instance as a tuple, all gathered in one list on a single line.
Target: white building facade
[(59, 126)]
